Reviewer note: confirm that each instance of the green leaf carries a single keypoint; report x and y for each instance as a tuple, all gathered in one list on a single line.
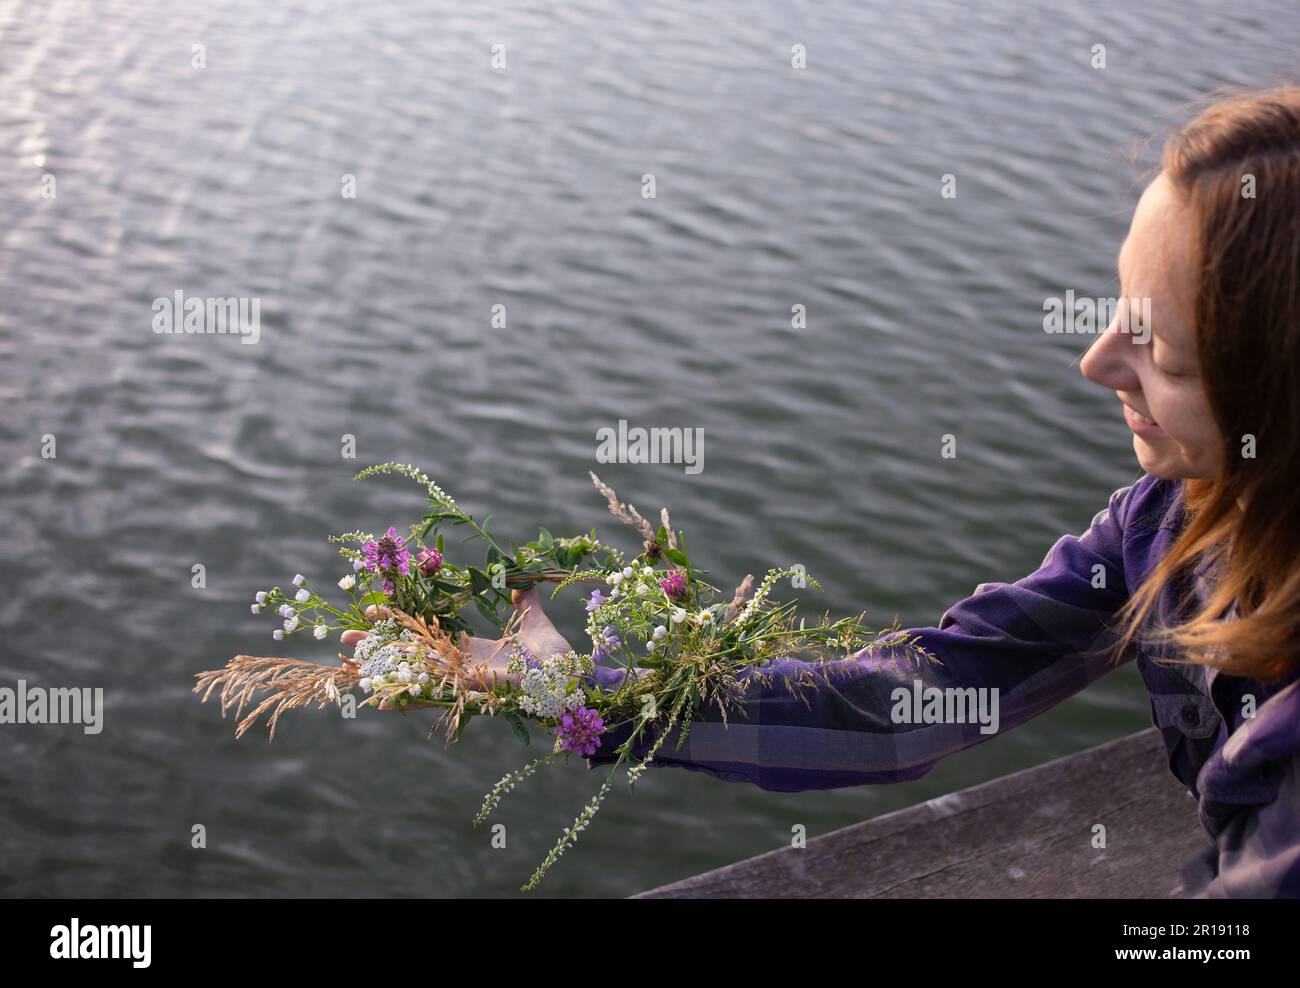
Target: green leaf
[(487, 610), (661, 536), (545, 538), (676, 556), (521, 732), (375, 597)]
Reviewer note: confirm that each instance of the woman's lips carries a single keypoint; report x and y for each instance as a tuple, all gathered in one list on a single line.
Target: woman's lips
[(1141, 425)]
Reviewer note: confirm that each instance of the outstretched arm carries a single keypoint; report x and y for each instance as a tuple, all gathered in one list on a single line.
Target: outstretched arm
[(1008, 653)]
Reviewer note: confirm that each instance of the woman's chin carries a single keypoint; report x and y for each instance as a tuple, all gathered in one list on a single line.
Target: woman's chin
[(1165, 460), (1157, 460)]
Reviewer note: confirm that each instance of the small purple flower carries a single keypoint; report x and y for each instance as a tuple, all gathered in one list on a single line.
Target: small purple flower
[(387, 555), (607, 643), (674, 585), (580, 730), (430, 561), (595, 600)]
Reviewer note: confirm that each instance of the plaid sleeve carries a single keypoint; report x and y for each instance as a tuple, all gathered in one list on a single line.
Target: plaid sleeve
[(1007, 653), (1257, 856)]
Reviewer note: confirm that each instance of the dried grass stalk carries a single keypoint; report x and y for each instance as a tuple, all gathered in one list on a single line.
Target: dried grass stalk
[(291, 683), (738, 600), (668, 527), (624, 512)]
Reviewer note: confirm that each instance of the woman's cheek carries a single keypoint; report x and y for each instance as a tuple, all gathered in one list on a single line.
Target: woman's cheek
[(1194, 430)]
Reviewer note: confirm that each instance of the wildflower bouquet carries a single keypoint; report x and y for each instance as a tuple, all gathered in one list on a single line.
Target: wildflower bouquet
[(682, 647)]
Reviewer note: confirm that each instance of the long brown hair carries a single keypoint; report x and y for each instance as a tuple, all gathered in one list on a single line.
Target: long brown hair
[(1245, 522)]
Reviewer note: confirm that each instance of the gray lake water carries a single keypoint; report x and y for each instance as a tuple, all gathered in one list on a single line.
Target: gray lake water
[(521, 186)]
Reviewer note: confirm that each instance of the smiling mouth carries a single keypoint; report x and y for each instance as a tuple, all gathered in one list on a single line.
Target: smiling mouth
[(1140, 417), (1141, 425)]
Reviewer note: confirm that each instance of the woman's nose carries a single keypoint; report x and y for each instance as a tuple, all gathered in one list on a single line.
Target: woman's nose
[(1108, 361)]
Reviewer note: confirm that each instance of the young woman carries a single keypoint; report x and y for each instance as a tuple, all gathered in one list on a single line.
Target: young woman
[(1193, 572)]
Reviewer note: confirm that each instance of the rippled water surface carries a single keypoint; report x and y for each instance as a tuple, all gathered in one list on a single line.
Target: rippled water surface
[(478, 186)]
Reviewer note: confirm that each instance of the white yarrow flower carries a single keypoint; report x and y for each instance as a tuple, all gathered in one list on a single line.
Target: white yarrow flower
[(302, 596), (660, 632), (628, 572), (298, 580), (348, 582), (679, 615), (320, 631)]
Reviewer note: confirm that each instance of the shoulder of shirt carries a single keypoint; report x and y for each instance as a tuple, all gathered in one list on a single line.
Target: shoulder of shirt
[(1149, 503)]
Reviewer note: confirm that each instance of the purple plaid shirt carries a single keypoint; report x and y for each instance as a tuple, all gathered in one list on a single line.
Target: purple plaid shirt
[(1037, 641)]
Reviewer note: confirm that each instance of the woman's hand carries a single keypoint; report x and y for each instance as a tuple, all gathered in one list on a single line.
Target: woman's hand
[(536, 633)]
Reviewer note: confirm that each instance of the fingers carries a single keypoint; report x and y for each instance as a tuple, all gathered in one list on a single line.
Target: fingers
[(488, 650), (535, 630), (373, 614)]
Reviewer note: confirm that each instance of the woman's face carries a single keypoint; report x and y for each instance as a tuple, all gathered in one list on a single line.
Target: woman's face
[(1154, 370)]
